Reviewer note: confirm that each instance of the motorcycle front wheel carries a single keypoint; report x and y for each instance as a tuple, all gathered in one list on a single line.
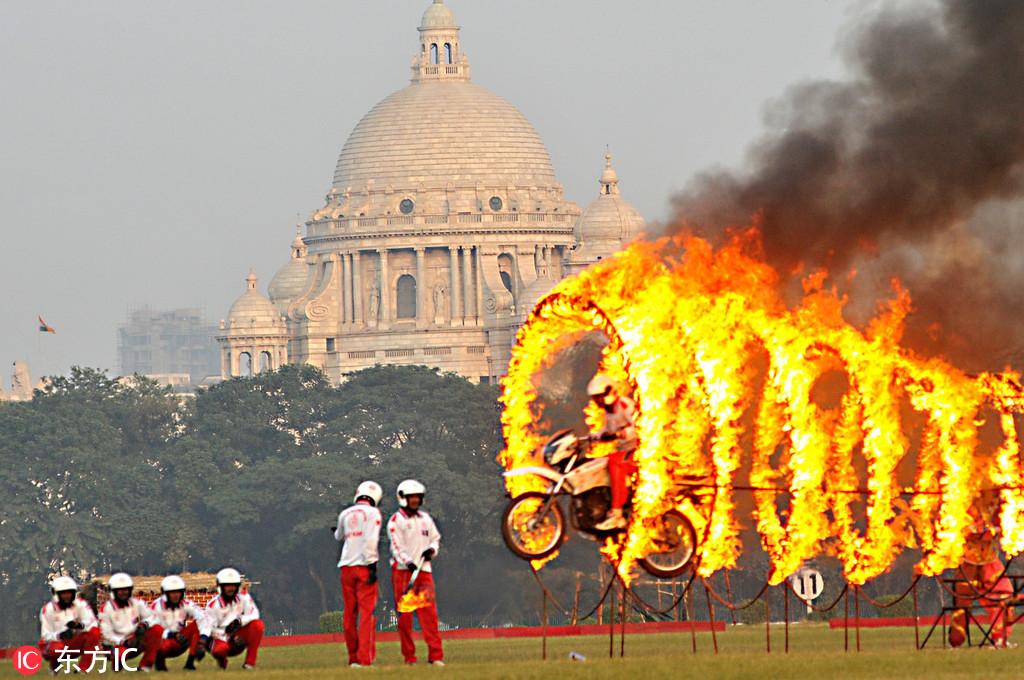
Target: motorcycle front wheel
[(676, 544), (528, 532)]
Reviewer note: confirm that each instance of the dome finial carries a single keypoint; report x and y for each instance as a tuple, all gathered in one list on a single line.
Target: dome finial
[(609, 179), (440, 56), (250, 280)]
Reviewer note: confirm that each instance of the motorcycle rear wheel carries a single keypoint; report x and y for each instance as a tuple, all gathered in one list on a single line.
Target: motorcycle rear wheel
[(679, 542), (528, 535)]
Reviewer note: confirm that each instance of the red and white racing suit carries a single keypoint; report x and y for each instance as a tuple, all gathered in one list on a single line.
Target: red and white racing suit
[(219, 614), (411, 534), (620, 421), (119, 623), (54, 620), (186, 619), (359, 527), (981, 577)]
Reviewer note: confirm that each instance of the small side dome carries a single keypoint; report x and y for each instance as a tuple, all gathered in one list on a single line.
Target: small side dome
[(608, 223), (438, 16), (253, 308), (290, 280)]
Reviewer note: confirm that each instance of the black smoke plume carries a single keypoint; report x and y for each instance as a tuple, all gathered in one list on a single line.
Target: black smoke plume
[(909, 169)]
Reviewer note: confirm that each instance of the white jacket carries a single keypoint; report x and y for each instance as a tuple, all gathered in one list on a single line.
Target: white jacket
[(173, 619), (359, 527), (53, 620), (220, 613), (118, 623), (410, 535)]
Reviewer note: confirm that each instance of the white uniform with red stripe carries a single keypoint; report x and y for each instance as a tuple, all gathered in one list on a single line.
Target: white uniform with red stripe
[(53, 620), (118, 623), (359, 527), (173, 619), (621, 422), (411, 535), (220, 613)]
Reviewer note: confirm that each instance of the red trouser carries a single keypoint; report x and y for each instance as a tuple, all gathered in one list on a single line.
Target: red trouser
[(619, 469), (170, 647), (427, 615), (251, 634), (76, 646), (148, 647), (360, 597), (983, 581)]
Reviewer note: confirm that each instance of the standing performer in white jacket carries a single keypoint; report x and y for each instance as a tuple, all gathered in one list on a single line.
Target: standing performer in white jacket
[(359, 527), (67, 625), (415, 541), (184, 624), (234, 621), (127, 623)]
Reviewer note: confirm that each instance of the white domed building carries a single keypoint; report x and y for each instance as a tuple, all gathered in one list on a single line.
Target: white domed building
[(444, 224)]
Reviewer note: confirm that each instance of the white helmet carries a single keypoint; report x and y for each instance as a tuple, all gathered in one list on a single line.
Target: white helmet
[(599, 385), (371, 490), (62, 583), (120, 580), (170, 583), (228, 577), (409, 487)]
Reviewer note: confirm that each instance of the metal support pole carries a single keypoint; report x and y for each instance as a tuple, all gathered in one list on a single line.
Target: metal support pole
[(622, 620), (856, 610), (728, 593), (611, 624), (917, 632), (767, 622), (785, 609), (711, 617), (688, 605), (846, 619), (544, 643)]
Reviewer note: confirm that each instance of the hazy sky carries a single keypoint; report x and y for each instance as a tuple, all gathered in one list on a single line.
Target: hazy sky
[(151, 152)]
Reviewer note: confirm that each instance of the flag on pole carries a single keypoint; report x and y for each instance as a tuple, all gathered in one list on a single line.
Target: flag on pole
[(44, 327)]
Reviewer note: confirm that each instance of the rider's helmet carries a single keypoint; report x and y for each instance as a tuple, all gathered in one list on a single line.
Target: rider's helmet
[(121, 581), (171, 583), (62, 583), (409, 487), (370, 490), (601, 389)]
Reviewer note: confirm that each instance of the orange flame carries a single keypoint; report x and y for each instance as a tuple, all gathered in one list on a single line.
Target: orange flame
[(412, 601), (687, 335)]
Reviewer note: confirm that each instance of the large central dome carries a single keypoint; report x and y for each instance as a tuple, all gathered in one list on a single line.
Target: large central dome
[(436, 132)]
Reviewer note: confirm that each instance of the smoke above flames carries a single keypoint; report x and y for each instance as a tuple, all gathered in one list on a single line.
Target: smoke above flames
[(913, 168)]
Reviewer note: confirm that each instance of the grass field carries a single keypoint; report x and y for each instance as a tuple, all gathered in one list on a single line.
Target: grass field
[(816, 653)]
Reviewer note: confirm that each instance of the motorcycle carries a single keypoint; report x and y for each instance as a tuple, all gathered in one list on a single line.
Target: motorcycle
[(533, 525)]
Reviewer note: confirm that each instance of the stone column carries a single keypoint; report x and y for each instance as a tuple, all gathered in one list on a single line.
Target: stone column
[(357, 291), (422, 313), (454, 297), (467, 282), (479, 288), (346, 289), (385, 289), (225, 358)]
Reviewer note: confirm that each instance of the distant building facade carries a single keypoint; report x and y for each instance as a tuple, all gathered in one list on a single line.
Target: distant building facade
[(444, 225), (177, 342)]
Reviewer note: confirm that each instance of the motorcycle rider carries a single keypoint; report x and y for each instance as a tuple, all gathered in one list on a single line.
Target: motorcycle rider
[(128, 625), (67, 624), (415, 541), (619, 426), (234, 620), (183, 622), (359, 527)]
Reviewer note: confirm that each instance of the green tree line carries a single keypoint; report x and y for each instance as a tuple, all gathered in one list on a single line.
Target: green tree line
[(99, 475)]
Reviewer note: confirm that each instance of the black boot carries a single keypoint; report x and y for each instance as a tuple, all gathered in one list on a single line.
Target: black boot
[(190, 663)]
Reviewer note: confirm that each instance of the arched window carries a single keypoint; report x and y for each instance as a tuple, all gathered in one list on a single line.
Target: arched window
[(448, 53), (405, 297), (265, 361), (506, 280), (433, 53), (245, 364)]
